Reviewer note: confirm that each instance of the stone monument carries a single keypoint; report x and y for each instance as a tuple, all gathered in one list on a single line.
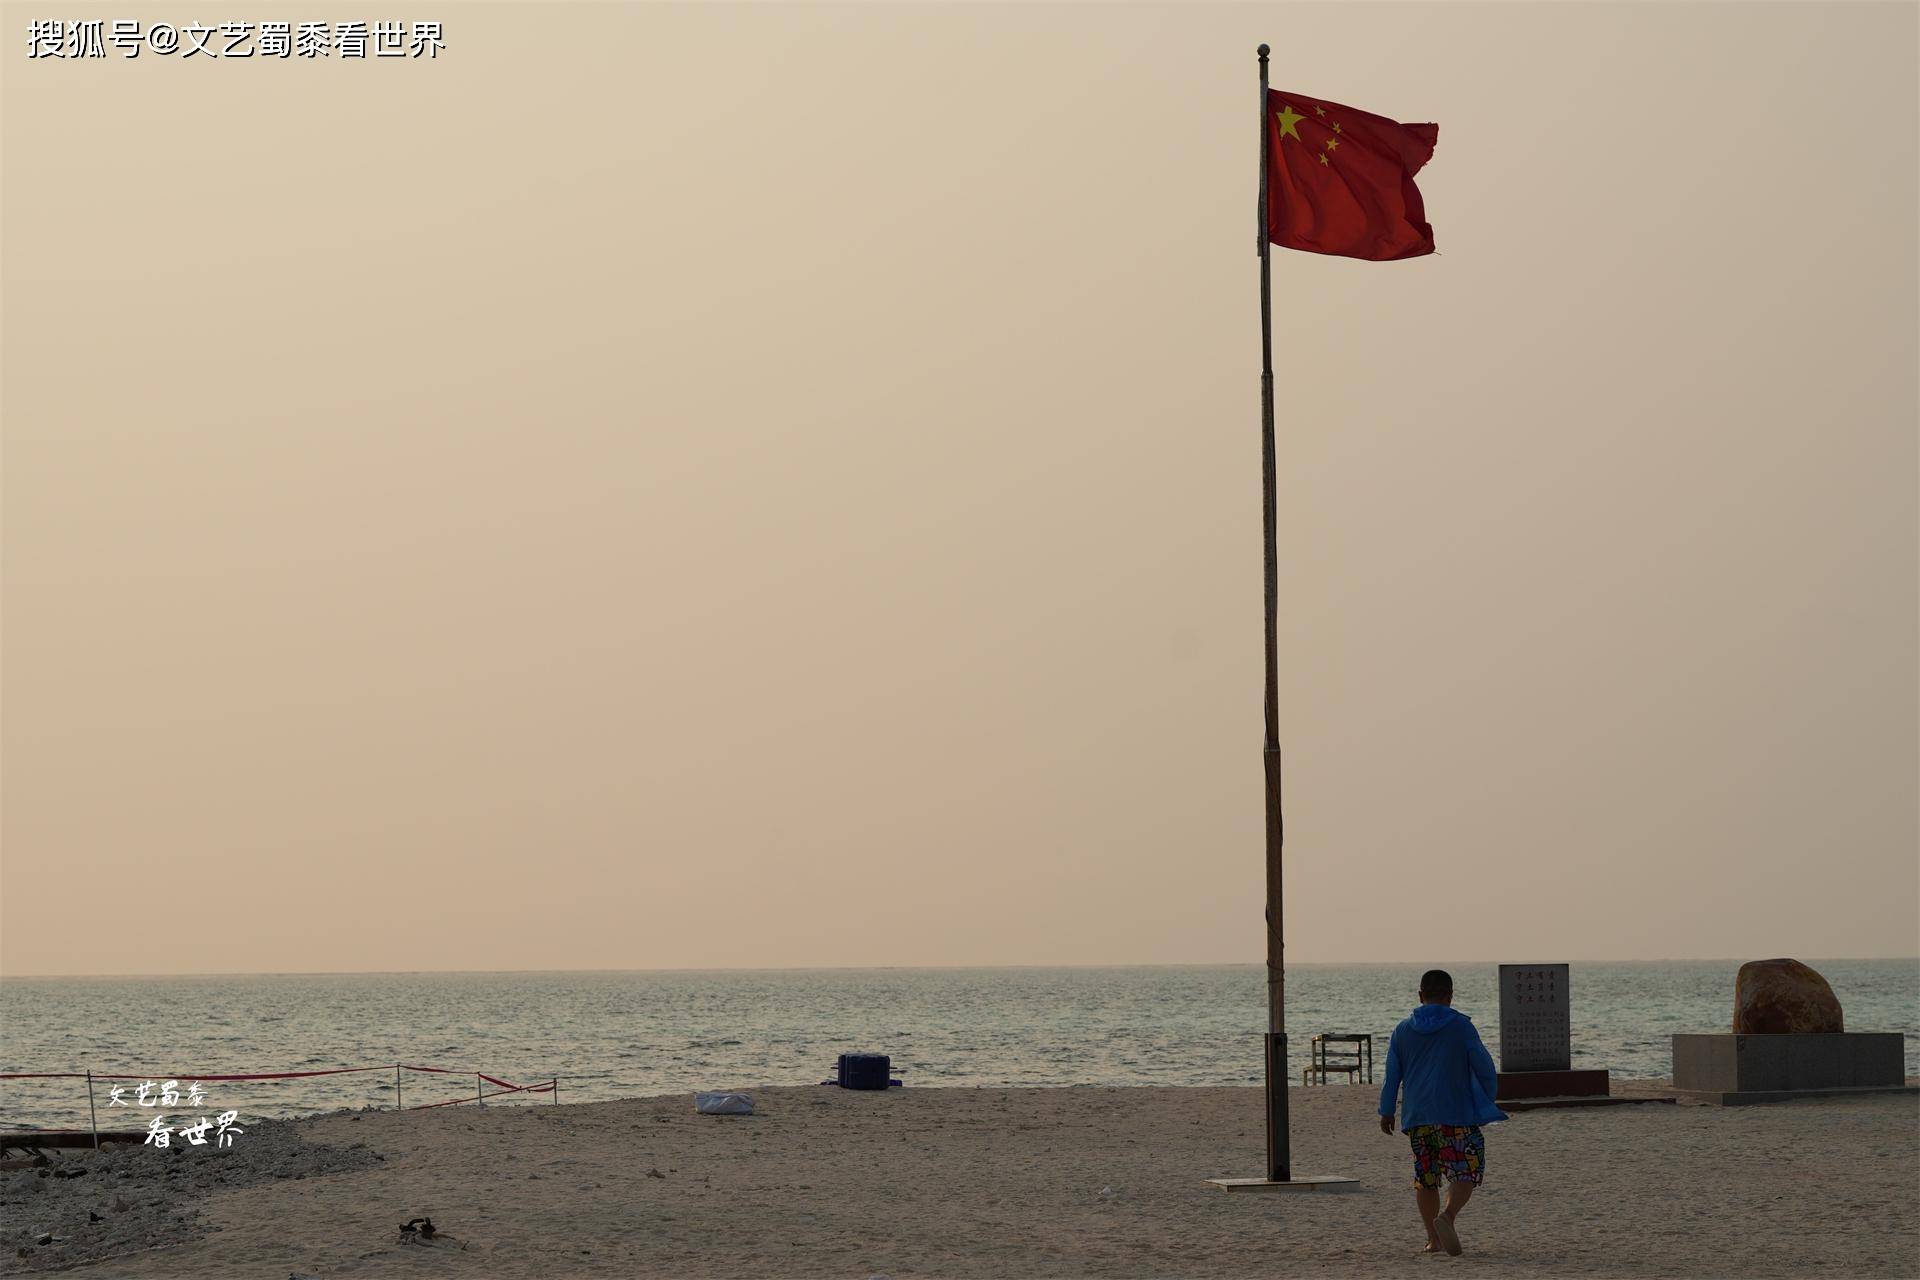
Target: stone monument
[(1783, 997), (1788, 1040), (1536, 1037)]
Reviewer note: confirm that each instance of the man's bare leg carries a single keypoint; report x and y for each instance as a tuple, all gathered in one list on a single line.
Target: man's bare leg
[(1441, 1227), (1427, 1199)]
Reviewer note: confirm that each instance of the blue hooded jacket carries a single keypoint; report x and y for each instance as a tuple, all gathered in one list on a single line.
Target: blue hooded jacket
[(1448, 1073)]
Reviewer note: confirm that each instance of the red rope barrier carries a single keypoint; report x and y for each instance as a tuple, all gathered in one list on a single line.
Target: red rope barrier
[(505, 1087), (548, 1087), (268, 1075), (260, 1075), (446, 1071)]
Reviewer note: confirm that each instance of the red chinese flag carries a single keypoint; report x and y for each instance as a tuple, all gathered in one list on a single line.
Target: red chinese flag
[(1341, 180)]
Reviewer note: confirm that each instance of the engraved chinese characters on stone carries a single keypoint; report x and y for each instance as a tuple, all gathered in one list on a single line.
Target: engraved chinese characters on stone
[(1536, 1033)]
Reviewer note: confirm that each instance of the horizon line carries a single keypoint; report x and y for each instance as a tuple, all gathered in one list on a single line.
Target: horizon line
[(914, 968)]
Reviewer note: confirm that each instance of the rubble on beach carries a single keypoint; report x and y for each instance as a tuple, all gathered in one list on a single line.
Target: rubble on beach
[(73, 1206)]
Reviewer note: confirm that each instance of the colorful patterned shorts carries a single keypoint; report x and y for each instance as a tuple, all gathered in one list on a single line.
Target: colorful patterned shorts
[(1458, 1151)]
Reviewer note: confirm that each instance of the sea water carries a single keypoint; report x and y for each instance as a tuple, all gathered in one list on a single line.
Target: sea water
[(630, 1034)]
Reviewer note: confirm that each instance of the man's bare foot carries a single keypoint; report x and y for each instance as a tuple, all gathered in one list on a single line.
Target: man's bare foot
[(1443, 1232)]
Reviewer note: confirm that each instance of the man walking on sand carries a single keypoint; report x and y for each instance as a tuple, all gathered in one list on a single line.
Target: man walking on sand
[(1450, 1085)]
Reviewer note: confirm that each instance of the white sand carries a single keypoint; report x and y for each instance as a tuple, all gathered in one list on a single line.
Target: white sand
[(1008, 1182)]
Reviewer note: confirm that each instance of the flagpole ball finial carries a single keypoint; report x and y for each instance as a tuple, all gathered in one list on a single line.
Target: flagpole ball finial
[(1262, 51)]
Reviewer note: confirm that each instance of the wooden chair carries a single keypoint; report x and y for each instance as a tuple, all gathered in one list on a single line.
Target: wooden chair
[(1322, 1066)]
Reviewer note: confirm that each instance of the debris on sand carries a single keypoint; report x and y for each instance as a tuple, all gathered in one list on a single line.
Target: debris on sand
[(79, 1206)]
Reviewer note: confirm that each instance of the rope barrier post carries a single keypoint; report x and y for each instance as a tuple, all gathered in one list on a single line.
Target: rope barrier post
[(397, 1099), (556, 1091), (477, 1095), (93, 1117)]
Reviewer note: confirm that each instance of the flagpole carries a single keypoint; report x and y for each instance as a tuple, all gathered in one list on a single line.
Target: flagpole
[(1279, 1174), (1279, 1153)]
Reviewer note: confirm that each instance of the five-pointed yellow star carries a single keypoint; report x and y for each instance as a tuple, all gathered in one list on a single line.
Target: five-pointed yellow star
[(1319, 111), (1287, 120), (1336, 126), (1323, 157), (1333, 144)]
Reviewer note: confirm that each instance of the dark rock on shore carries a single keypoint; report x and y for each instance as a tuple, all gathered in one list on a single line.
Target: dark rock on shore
[(1782, 997)]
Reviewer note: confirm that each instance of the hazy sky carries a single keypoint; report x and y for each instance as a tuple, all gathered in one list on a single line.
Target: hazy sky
[(750, 486)]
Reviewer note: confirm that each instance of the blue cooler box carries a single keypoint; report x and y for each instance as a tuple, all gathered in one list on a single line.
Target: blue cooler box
[(864, 1070)]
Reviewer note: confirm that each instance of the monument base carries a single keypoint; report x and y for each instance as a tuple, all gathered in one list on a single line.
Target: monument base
[(1551, 1084), (1322, 1182), (1513, 1106), (1757, 1096), (1732, 1063)]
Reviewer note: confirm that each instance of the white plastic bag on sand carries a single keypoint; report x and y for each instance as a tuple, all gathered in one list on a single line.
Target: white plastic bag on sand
[(723, 1104)]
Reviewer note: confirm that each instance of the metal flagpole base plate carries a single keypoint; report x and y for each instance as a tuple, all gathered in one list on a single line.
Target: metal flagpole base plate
[(1321, 1182)]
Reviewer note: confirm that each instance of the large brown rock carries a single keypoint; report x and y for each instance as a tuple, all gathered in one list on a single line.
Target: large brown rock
[(1781, 997)]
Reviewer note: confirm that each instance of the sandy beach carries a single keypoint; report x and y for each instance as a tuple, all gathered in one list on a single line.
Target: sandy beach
[(997, 1183)]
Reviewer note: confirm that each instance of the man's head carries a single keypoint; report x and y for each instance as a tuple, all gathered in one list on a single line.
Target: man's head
[(1436, 987)]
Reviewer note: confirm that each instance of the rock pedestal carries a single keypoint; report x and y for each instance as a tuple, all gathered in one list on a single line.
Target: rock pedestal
[(1783, 997), (1771, 1068), (1787, 1041)]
